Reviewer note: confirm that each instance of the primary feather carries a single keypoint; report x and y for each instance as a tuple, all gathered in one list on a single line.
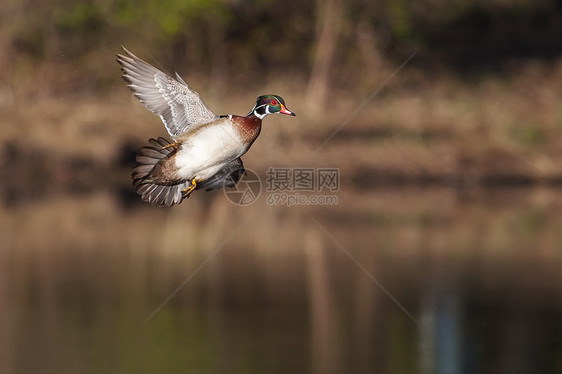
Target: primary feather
[(172, 100)]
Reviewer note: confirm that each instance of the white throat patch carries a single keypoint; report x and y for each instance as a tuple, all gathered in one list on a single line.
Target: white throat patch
[(261, 116)]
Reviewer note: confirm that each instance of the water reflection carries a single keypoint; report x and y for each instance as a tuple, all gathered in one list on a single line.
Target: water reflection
[(442, 334), (264, 289)]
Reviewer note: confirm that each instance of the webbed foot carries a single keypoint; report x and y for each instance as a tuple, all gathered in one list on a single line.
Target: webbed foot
[(192, 186), (171, 145)]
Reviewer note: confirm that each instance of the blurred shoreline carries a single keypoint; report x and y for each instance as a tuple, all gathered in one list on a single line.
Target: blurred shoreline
[(500, 132)]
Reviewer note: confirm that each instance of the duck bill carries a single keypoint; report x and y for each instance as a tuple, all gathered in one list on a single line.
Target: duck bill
[(286, 111)]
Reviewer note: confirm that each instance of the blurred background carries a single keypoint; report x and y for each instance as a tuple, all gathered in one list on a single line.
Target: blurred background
[(441, 254)]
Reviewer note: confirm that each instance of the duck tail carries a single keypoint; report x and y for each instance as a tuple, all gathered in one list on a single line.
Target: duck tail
[(145, 185)]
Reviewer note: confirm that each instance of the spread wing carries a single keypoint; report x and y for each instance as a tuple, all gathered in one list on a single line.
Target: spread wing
[(172, 100)]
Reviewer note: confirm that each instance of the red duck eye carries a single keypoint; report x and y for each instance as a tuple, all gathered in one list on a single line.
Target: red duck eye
[(274, 102)]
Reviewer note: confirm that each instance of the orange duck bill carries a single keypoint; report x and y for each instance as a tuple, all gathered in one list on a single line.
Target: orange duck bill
[(284, 110)]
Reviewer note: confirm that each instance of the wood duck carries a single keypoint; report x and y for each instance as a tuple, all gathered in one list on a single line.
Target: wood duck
[(205, 149)]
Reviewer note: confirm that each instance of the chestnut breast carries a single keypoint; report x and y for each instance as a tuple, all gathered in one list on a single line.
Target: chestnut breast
[(248, 127)]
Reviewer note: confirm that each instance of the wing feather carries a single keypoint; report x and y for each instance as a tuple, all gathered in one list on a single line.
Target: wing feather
[(177, 105), (228, 176)]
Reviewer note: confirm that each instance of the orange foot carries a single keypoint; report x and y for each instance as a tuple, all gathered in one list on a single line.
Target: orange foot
[(171, 145), (186, 192)]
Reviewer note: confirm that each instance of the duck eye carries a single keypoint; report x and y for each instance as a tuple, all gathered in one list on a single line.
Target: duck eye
[(273, 102)]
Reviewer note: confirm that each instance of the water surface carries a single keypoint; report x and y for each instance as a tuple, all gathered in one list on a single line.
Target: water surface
[(388, 281)]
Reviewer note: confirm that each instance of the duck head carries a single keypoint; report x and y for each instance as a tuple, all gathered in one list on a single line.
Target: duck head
[(269, 104)]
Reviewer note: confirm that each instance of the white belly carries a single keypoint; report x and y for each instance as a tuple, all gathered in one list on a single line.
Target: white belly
[(207, 151)]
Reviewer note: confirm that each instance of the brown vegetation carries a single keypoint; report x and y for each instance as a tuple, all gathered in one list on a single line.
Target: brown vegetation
[(455, 114)]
